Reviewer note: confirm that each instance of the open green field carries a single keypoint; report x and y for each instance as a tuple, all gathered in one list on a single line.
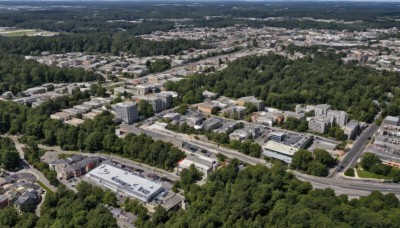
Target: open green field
[(26, 32), (365, 174)]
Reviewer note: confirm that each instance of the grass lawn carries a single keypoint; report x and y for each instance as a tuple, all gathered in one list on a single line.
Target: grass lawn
[(26, 32), (44, 186), (365, 174)]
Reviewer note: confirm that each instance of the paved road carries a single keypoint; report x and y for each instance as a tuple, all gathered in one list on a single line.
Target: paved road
[(178, 139), (351, 187), (351, 157), (39, 175)]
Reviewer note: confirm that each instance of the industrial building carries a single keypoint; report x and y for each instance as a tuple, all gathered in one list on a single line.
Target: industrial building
[(124, 182)]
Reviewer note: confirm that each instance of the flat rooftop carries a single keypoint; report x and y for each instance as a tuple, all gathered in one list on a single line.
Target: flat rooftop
[(280, 148), (128, 181)]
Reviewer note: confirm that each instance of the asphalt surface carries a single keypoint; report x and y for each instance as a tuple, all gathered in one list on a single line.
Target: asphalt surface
[(352, 156), (29, 168), (177, 139), (351, 187)]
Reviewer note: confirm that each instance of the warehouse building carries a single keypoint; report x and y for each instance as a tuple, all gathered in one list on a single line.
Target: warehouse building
[(125, 183)]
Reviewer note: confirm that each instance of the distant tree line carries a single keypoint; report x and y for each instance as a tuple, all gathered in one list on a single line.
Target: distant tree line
[(18, 74), (95, 43)]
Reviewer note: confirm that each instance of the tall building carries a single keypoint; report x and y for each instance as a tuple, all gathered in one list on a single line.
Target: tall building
[(166, 100), (338, 117), (127, 112), (321, 110), (319, 125)]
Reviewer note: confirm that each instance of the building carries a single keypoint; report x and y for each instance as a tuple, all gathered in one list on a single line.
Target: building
[(204, 164), (209, 95), (290, 114), (318, 125), (155, 102), (338, 117), (80, 168), (251, 99), (75, 121), (166, 100), (211, 124), (268, 118), (279, 151), (391, 120), (4, 201), (144, 89), (125, 183), (234, 112), (207, 107), (28, 200), (227, 127), (61, 116), (60, 164), (171, 116), (321, 110), (73, 111), (192, 119), (127, 112), (351, 129), (277, 136), (301, 108), (172, 200), (245, 133)]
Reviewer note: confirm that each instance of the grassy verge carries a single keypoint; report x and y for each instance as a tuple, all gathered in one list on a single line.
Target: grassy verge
[(44, 186), (365, 174)]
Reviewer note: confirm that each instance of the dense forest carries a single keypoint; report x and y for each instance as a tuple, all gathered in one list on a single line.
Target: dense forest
[(9, 156), (262, 197), (282, 83), (146, 17), (93, 135), (64, 208), (95, 42), (18, 74)]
